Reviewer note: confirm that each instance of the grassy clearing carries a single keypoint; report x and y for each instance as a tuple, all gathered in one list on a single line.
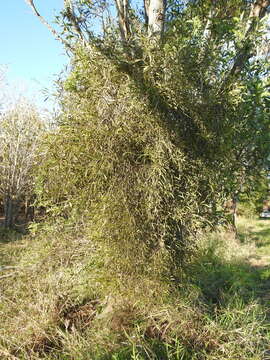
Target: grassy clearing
[(57, 302)]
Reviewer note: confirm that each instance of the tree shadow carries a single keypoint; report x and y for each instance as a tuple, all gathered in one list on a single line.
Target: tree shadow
[(219, 281), (9, 235), (260, 237)]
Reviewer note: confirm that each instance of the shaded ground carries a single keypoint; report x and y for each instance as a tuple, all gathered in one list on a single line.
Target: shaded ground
[(258, 232), (20, 224)]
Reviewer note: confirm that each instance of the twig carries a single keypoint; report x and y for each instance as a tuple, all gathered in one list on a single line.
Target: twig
[(5, 276), (8, 267)]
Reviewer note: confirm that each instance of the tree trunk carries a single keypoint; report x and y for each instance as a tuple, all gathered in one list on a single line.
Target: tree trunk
[(234, 213), (8, 209), (11, 208), (70, 14), (29, 210), (123, 18), (155, 10)]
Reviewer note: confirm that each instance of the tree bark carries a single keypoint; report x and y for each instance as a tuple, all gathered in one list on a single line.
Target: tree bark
[(8, 209), (234, 213), (259, 8), (123, 18), (156, 11), (257, 12), (146, 12)]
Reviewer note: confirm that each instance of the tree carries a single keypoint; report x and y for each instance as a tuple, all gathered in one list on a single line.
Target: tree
[(20, 131), (161, 121)]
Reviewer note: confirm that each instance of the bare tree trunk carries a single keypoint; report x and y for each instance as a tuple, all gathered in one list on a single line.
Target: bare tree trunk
[(26, 207), (154, 17), (146, 11), (123, 18), (8, 210), (259, 8), (156, 11), (29, 209), (207, 30), (230, 208), (11, 208), (234, 213)]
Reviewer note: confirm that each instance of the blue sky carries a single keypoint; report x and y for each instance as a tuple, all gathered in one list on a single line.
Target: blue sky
[(33, 57)]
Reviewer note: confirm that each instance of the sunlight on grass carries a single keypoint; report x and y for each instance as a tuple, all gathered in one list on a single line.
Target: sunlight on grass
[(254, 229), (61, 306)]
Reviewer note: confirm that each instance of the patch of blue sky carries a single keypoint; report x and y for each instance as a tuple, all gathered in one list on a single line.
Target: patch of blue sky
[(32, 56)]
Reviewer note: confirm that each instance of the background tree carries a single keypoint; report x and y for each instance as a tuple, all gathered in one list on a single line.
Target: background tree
[(20, 131)]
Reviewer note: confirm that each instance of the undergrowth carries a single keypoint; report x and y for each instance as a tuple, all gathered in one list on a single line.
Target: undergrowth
[(59, 301)]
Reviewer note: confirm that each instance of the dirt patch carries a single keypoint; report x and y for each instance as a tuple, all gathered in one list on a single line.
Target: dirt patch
[(77, 317), (42, 345), (67, 317)]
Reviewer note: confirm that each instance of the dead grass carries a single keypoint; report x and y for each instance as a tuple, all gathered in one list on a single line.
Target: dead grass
[(61, 305)]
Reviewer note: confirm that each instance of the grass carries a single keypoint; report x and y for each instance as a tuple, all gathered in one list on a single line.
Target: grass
[(58, 303)]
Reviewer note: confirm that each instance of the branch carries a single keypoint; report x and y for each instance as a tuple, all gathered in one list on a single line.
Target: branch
[(6, 276), (146, 11), (257, 12), (52, 30), (8, 267), (70, 14), (207, 29)]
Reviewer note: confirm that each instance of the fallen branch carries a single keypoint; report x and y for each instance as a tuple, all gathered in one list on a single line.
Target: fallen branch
[(6, 276), (8, 267)]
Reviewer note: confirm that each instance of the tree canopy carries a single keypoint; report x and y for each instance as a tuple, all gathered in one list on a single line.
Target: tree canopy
[(165, 114)]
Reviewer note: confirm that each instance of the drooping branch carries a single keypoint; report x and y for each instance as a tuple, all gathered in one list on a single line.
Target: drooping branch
[(71, 16)]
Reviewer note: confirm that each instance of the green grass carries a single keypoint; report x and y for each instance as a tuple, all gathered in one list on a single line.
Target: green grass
[(58, 302)]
